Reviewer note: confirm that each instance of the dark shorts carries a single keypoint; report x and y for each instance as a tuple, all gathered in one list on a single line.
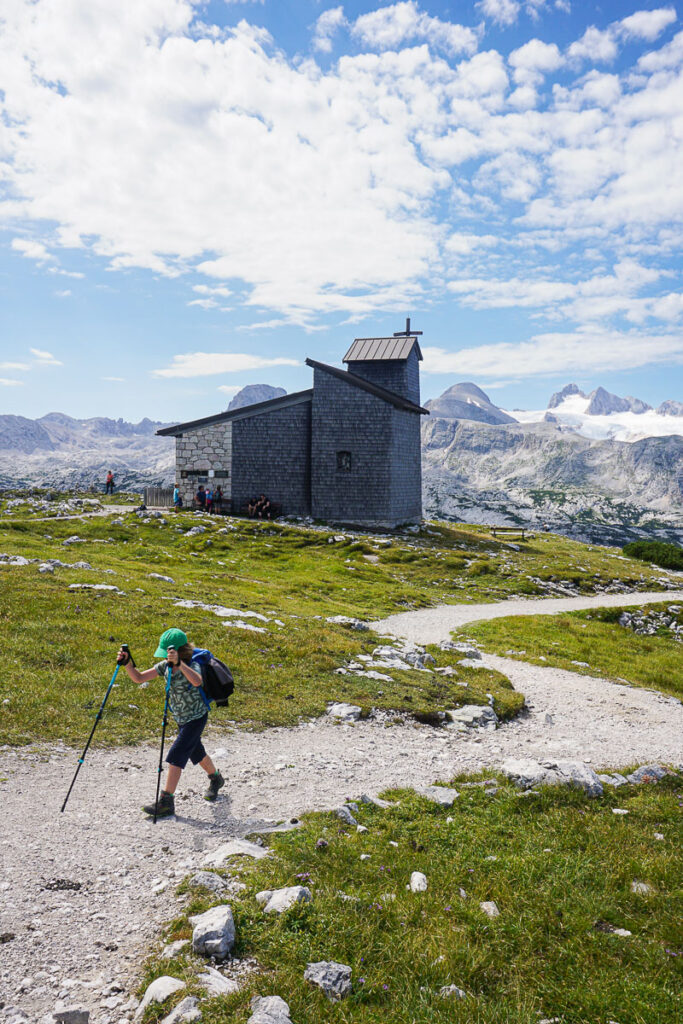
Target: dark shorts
[(188, 745)]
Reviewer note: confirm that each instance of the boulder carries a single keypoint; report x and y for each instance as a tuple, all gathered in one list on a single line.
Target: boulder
[(526, 773), (173, 948), (647, 773), (344, 814), (185, 1012), (439, 795), (452, 992), (473, 715), (214, 932), (344, 620), (334, 979), (207, 880), (490, 908), (216, 984), (280, 900), (235, 848), (269, 1010), (344, 712), (158, 992)]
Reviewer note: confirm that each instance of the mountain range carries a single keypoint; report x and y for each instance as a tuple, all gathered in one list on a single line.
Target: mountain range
[(595, 466)]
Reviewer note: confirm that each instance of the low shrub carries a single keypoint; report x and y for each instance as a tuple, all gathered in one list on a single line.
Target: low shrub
[(668, 556)]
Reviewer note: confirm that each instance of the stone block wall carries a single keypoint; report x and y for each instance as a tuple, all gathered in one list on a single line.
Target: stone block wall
[(272, 454), (201, 450)]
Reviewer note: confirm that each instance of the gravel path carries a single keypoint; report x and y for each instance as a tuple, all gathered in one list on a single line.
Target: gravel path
[(432, 625), (81, 941)]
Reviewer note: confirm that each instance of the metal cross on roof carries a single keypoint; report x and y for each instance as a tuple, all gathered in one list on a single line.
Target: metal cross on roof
[(407, 333)]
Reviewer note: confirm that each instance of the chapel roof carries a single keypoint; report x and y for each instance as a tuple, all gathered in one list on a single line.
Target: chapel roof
[(366, 385), (282, 402), (381, 349)]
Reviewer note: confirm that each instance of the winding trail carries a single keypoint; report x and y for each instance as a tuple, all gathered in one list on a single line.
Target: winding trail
[(433, 625), (76, 942)]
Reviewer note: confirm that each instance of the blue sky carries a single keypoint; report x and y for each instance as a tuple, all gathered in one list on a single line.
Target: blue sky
[(196, 196)]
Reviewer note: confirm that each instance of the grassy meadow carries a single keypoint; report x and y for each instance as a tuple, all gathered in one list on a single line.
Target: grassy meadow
[(559, 867)]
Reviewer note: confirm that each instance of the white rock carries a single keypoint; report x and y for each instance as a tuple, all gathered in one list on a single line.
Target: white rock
[(334, 979), (526, 773), (207, 880), (158, 576), (641, 887), (376, 801), (282, 899), (647, 773), (659, 835), (95, 586), (235, 848), (269, 1010), (418, 882), (344, 712), (216, 984), (185, 1012), (173, 948), (344, 620), (473, 715), (365, 856), (214, 932), (619, 810), (158, 992), (345, 815), (490, 909), (453, 992), (439, 795), (623, 933)]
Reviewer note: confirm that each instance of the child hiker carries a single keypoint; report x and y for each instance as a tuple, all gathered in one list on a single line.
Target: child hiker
[(190, 710)]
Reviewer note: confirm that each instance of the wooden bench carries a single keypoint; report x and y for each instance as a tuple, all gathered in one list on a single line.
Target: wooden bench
[(507, 532)]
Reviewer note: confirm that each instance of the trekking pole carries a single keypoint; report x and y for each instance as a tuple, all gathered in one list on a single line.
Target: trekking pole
[(81, 759), (163, 737)]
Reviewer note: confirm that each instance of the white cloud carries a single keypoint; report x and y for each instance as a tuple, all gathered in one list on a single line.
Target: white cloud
[(534, 60), (63, 293), (388, 27), (204, 303), (326, 27), (7, 382), (116, 380), (43, 358), (669, 56), (229, 389), (65, 273), (15, 366), (589, 350), (594, 45), (647, 24), (504, 12), (205, 289), (204, 364), (31, 250)]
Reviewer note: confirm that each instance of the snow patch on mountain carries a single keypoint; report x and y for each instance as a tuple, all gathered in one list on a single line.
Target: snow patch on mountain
[(574, 410)]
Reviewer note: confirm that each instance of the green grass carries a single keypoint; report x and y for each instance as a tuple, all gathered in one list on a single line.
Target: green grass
[(555, 865), (594, 637), (669, 556), (63, 643)]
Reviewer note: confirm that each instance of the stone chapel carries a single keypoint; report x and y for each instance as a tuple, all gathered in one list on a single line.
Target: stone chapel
[(347, 450)]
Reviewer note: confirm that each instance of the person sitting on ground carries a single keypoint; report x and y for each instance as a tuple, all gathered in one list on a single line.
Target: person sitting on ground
[(252, 506), (189, 708), (200, 497), (209, 500)]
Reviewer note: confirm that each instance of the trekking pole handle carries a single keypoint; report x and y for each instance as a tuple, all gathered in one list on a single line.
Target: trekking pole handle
[(126, 649)]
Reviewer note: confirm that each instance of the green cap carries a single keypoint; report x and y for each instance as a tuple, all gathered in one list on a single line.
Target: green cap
[(171, 638)]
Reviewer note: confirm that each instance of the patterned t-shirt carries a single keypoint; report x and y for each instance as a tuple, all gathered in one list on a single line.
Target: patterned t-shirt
[(184, 699)]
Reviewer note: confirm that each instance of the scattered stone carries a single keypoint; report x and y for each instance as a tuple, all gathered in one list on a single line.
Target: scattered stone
[(207, 880), (334, 979), (214, 932), (71, 1015), (344, 712), (418, 882), (344, 814), (647, 773), (615, 780), (216, 984), (439, 795), (376, 801), (321, 844), (490, 909), (473, 715), (642, 888), (659, 835), (452, 991), (365, 856), (269, 1010), (158, 992), (95, 586), (185, 1012), (527, 773), (173, 948), (235, 848), (280, 900), (158, 576), (344, 620)]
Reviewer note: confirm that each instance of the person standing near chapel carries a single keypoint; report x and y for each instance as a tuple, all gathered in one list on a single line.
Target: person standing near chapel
[(109, 486)]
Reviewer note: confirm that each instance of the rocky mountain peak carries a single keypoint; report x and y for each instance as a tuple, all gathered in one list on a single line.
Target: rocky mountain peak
[(466, 401), (603, 403), (567, 391), (254, 393), (670, 408)]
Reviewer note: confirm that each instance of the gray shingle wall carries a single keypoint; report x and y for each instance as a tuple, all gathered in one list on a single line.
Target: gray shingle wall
[(402, 376), (378, 487), (272, 453)]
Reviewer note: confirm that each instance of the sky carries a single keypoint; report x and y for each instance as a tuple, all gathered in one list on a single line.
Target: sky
[(196, 196)]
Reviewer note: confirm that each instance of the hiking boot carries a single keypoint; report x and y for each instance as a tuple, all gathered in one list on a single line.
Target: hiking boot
[(165, 806), (216, 782)]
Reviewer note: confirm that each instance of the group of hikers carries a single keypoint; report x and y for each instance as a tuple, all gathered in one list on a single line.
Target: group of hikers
[(260, 507), (210, 500)]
